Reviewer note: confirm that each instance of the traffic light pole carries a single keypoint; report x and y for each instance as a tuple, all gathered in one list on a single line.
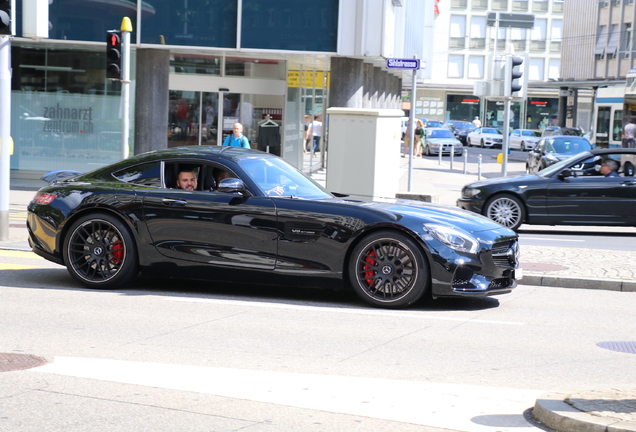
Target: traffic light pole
[(126, 28), (505, 145), (5, 134)]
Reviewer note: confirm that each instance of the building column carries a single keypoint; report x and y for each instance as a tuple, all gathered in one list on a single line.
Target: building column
[(370, 97), (347, 83), (151, 100), (563, 104)]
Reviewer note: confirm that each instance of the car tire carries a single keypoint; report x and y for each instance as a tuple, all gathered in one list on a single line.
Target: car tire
[(428, 151), (483, 144), (523, 146), (389, 270), (506, 210), (100, 252)]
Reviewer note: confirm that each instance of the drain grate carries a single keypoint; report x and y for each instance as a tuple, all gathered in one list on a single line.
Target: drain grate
[(626, 347), (14, 362)]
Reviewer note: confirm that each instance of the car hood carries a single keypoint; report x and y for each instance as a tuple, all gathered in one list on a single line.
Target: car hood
[(423, 212)]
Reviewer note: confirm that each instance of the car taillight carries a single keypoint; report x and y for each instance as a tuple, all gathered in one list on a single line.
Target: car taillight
[(43, 198)]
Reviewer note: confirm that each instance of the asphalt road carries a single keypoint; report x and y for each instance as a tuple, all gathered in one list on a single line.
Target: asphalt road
[(181, 356)]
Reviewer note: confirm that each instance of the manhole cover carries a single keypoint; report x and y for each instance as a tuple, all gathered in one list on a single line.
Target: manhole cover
[(626, 347), (14, 362)]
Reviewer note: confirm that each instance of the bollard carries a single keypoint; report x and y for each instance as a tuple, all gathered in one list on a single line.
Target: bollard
[(479, 168), (439, 162), (452, 156), (465, 160)]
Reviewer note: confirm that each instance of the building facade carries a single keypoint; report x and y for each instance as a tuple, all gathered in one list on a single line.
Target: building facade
[(463, 50), (197, 67)]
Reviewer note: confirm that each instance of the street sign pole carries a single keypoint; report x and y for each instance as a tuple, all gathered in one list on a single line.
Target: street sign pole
[(414, 65), (5, 134)]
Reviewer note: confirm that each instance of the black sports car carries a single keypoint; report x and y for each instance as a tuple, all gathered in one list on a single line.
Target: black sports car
[(570, 192), (251, 217)]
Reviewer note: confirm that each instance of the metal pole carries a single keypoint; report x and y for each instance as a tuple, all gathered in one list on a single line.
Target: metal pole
[(412, 123), (439, 155), (5, 134), (465, 160), (126, 29), (479, 168), (452, 156), (505, 136)]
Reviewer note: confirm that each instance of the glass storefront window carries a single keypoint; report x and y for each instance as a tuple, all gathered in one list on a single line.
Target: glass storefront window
[(462, 107), (195, 64), (255, 68), (542, 112), (290, 25), (45, 69)]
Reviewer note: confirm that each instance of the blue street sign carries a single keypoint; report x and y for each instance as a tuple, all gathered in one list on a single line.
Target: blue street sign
[(393, 63)]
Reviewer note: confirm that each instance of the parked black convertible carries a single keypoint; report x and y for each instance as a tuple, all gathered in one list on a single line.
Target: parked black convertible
[(570, 192), (266, 222)]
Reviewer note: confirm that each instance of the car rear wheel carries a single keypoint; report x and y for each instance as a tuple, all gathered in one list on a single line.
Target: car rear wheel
[(100, 252), (388, 269), (506, 210)]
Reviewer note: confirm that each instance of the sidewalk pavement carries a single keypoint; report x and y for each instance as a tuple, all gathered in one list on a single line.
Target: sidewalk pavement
[(611, 410)]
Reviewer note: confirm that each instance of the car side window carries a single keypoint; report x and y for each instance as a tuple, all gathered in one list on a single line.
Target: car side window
[(148, 174)]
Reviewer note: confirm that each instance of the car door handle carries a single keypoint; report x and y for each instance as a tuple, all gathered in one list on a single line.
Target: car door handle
[(174, 202)]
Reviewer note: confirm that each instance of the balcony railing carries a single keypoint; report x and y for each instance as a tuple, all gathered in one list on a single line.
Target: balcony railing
[(537, 45), (457, 43)]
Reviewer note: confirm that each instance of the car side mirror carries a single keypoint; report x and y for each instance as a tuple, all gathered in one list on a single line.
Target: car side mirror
[(566, 173), (232, 185)]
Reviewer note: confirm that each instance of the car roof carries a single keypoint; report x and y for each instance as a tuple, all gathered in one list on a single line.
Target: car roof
[(603, 151)]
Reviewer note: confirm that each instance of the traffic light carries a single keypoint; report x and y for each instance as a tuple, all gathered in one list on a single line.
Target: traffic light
[(5, 18), (113, 54), (512, 83)]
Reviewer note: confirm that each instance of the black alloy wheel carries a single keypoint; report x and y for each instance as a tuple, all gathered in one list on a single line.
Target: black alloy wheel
[(100, 252), (388, 269), (506, 210)]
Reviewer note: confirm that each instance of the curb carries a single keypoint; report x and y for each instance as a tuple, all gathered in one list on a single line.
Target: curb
[(552, 411), (571, 282)]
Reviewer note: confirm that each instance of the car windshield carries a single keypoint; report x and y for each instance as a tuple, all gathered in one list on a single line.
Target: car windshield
[(269, 173), (489, 131), (566, 145), (464, 125), (531, 133), (434, 124), (441, 133), (554, 168)]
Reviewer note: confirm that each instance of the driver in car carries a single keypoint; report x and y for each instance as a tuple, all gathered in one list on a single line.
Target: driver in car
[(609, 168), (187, 180)]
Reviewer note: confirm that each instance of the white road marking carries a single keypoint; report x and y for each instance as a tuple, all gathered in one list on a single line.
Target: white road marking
[(453, 406), (340, 310), (524, 238)]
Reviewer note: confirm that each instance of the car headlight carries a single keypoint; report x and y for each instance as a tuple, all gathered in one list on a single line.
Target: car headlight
[(454, 238), (470, 192)]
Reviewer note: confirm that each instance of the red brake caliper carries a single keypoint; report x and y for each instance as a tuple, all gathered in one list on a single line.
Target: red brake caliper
[(117, 249), (370, 261)]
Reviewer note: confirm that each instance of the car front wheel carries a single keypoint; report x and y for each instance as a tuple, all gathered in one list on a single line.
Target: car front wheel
[(388, 269), (506, 210), (100, 252)]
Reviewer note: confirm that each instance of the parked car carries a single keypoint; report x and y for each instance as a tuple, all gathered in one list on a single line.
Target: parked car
[(440, 139), (523, 139), (565, 131), (552, 149), (107, 225), (433, 123), (485, 137), (569, 192), (461, 129)]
